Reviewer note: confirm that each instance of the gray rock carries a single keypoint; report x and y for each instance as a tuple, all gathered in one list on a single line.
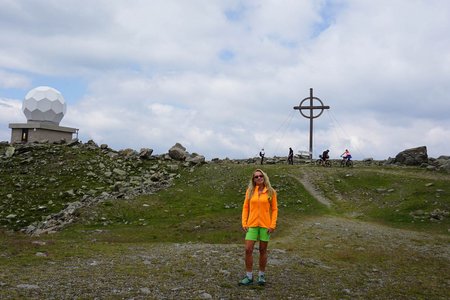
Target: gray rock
[(27, 286), (73, 142), (412, 157), (196, 159), (10, 151), (178, 152), (119, 172), (128, 152), (172, 168), (205, 295), (145, 153), (445, 167), (92, 144), (444, 157)]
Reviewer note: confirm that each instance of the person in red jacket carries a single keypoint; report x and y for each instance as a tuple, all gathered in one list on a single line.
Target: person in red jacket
[(259, 218)]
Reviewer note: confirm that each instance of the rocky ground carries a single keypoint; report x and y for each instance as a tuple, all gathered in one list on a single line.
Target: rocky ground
[(323, 257), (320, 258)]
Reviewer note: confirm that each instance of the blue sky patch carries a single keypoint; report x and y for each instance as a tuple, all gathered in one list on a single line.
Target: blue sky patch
[(226, 55)]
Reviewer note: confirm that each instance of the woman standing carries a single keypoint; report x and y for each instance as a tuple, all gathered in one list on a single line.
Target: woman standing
[(259, 218)]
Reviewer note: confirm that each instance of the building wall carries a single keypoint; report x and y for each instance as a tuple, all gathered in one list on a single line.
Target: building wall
[(40, 134)]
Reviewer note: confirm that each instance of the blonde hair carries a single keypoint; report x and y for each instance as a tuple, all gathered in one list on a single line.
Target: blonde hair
[(252, 185)]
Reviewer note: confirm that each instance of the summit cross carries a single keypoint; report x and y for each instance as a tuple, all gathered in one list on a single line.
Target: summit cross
[(311, 116)]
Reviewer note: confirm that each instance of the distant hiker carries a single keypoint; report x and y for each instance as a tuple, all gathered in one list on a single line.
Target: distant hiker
[(259, 218), (291, 156), (261, 154), (325, 156)]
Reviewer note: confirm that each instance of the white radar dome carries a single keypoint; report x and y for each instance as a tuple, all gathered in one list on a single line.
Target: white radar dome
[(44, 104)]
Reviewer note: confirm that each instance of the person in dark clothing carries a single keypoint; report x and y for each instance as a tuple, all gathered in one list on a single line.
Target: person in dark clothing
[(291, 156), (325, 155)]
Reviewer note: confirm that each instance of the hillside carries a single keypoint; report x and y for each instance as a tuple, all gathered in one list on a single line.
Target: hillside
[(163, 229)]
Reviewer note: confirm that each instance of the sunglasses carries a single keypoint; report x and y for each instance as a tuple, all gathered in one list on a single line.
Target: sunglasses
[(258, 176)]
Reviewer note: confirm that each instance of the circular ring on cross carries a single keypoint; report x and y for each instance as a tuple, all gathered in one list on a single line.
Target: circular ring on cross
[(311, 108)]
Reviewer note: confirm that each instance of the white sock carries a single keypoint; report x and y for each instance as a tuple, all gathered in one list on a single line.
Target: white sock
[(250, 275), (261, 273)]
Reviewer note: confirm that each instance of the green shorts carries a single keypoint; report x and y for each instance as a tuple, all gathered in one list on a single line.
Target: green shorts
[(257, 233)]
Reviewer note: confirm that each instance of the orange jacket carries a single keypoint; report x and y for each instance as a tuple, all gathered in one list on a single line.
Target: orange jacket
[(263, 212)]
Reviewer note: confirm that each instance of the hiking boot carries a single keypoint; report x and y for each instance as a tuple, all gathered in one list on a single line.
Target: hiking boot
[(261, 280), (246, 281)]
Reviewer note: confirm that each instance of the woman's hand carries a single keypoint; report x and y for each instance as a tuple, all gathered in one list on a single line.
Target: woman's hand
[(245, 229), (270, 230)]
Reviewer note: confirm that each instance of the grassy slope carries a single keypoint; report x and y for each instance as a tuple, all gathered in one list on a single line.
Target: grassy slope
[(204, 206), (389, 195)]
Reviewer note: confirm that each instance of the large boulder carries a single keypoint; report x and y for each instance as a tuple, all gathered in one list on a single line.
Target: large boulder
[(412, 157), (10, 151), (178, 152), (145, 153), (195, 159), (445, 167)]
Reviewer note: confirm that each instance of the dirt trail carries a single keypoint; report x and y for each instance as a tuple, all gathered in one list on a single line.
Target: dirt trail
[(306, 182)]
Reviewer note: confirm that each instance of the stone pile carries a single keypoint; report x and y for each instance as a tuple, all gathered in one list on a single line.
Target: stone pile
[(419, 157), (99, 174)]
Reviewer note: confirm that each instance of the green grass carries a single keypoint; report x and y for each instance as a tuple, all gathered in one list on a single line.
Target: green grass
[(204, 206), (389, 195)]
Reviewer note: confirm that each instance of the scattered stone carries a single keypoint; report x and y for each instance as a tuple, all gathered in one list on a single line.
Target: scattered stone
[(196, 159), (347, 291), (27, 286), (10, 151), (119, 172), (39, 243), (205, 295), (438, 214)]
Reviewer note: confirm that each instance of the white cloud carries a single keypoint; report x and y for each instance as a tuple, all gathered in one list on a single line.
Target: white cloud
[(10, 112), (12, 80), (222, 78)]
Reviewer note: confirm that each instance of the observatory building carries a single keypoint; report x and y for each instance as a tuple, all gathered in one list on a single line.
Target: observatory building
[(44, 108)]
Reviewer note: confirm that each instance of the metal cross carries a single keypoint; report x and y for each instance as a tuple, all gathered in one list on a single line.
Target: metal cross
[(311, 115)]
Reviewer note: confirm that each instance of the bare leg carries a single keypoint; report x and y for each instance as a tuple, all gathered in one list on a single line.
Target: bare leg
[(249, 255), (263, 255)]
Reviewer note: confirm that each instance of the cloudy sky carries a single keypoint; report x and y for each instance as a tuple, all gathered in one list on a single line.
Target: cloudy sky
[(221, 77)]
